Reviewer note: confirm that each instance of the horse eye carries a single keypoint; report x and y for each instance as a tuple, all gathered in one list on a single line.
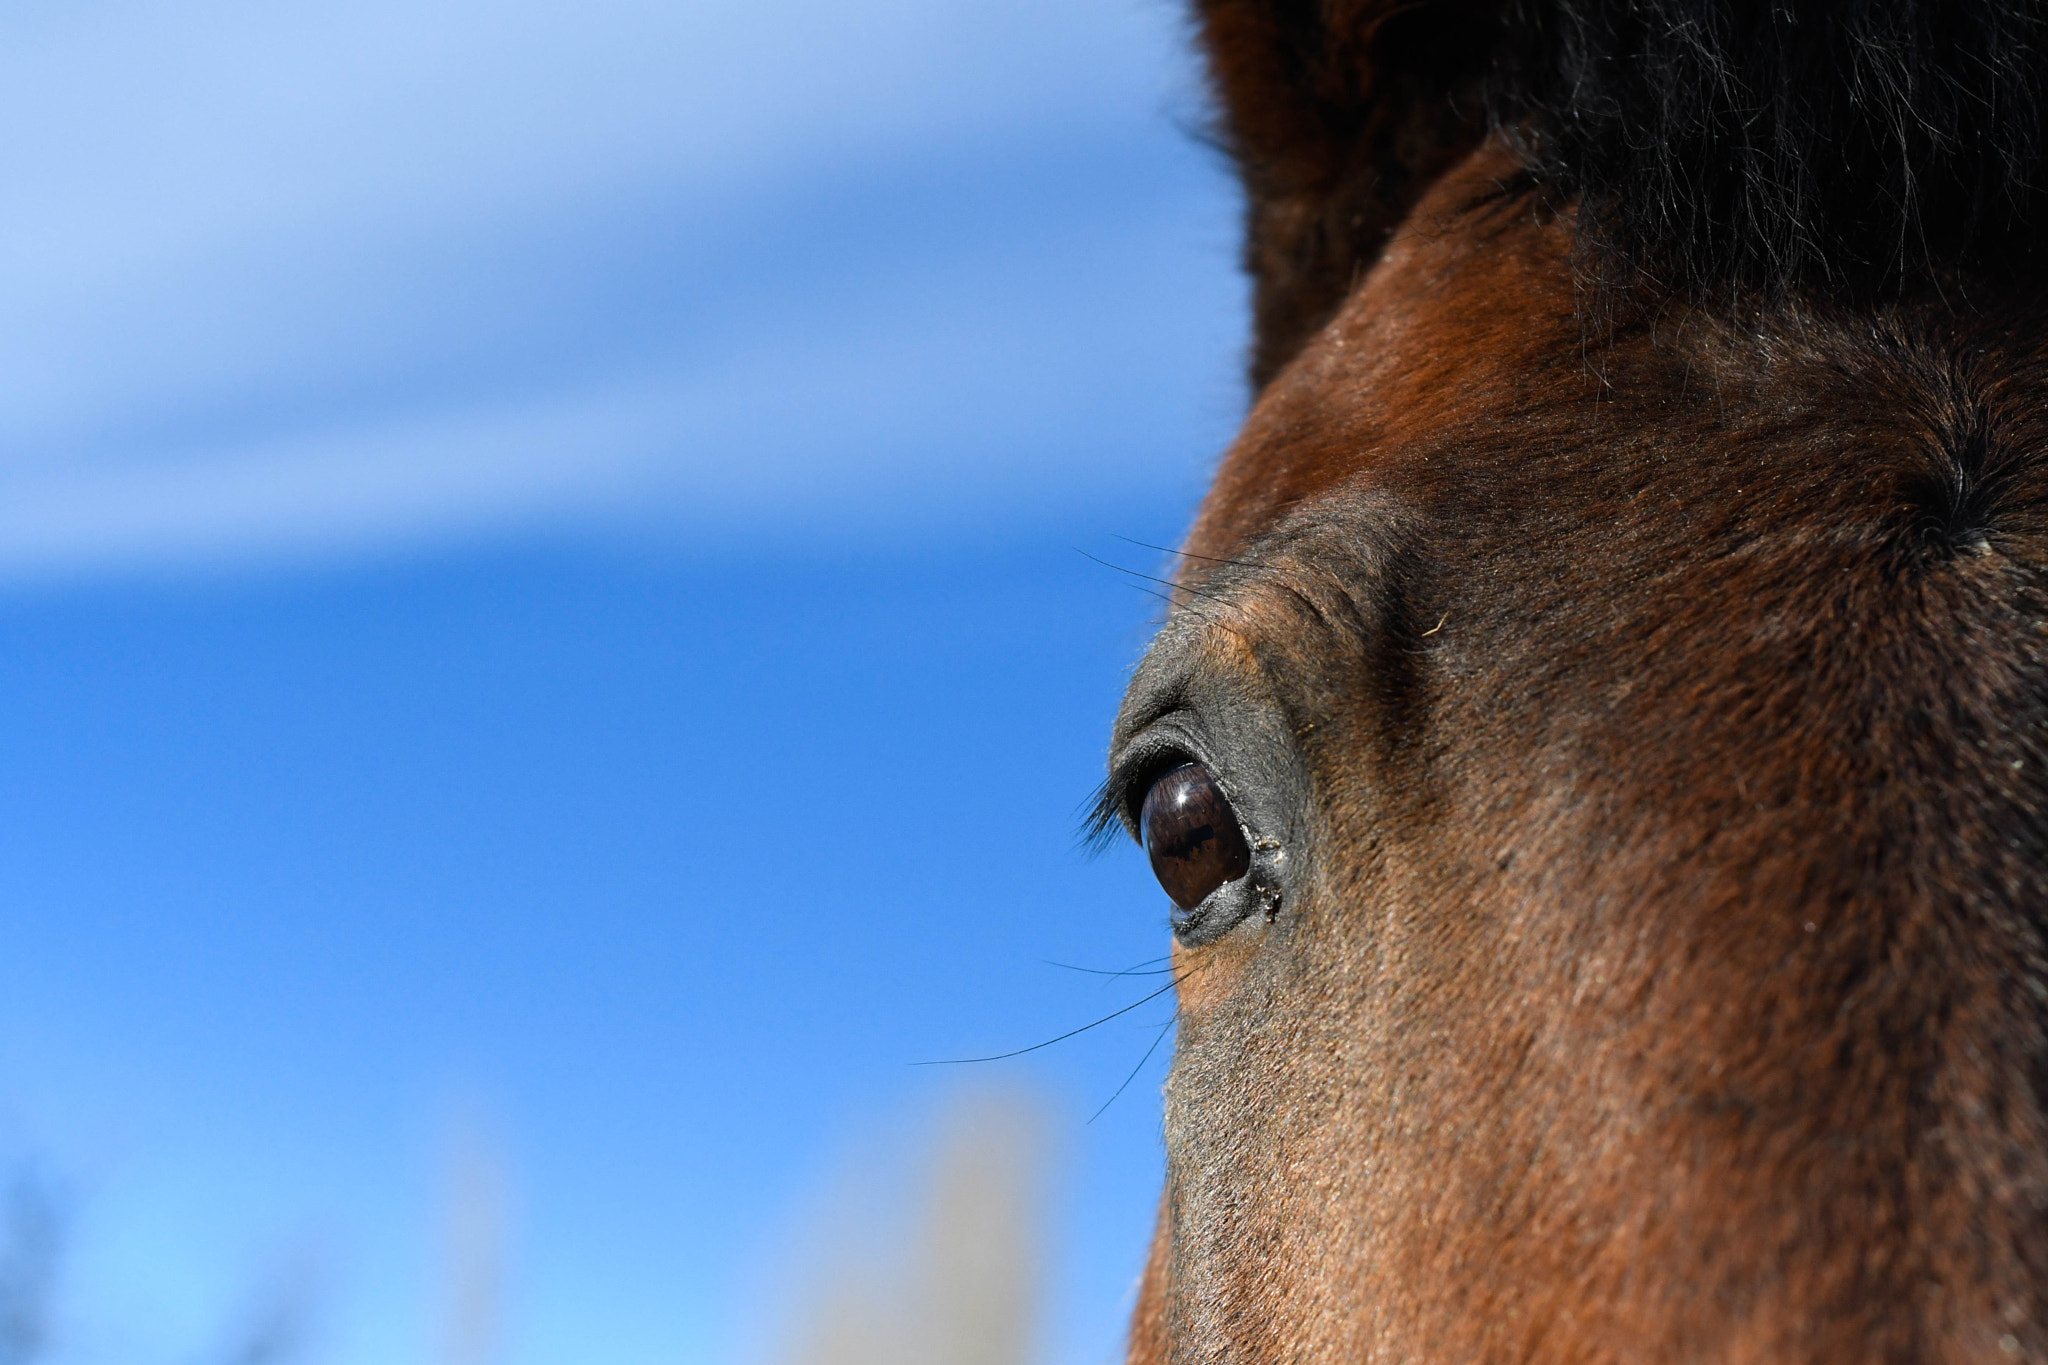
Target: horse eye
[(1193, 836)]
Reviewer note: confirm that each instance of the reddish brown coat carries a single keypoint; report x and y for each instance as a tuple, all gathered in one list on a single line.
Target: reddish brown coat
[(1666, 977)]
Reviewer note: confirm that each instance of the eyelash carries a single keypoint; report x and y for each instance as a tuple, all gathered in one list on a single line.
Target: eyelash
[(1104, 819)]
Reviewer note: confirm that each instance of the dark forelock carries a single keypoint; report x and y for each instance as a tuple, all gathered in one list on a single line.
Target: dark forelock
[(1785, 143)]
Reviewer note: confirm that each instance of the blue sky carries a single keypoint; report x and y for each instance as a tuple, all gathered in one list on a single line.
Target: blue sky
[(298, 280), (541, 591)]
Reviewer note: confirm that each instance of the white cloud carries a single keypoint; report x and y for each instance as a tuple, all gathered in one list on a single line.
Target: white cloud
[(136, 130), (275, 278)]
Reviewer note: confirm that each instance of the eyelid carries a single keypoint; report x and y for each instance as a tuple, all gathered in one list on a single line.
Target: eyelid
[(1156, 724)]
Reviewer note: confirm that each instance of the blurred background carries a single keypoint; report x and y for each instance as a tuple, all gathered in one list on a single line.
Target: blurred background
[(560, 597)]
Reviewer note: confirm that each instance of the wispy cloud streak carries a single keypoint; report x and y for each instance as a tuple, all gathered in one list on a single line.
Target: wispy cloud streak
[(314, 279)]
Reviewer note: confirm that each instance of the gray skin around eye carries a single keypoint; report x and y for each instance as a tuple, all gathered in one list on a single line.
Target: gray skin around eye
[(1182, 706)]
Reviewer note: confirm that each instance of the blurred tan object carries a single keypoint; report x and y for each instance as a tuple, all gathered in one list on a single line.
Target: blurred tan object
[(474, 1237), (953, 1276), (31, 1240)]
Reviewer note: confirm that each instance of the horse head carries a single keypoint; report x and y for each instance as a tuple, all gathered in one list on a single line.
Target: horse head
[(1598, 751)]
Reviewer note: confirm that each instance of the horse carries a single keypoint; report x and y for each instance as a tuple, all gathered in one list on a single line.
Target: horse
[(1597, 746)]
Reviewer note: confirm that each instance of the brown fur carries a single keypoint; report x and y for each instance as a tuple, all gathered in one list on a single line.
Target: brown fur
[(1667, 976)]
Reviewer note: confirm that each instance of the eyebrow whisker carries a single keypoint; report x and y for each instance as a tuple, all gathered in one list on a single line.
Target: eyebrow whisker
[(1173, 605), (1190, 554), (1163, 582)]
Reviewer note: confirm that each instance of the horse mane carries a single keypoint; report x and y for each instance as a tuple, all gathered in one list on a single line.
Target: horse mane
[(1775, 145), (1710, 146)]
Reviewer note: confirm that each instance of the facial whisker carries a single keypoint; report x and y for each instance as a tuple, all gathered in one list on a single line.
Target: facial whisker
[(1156, 1041), (1147, 968), (1070, 1033)]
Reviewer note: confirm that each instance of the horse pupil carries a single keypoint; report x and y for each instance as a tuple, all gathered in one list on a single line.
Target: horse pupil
[(1192, 834)]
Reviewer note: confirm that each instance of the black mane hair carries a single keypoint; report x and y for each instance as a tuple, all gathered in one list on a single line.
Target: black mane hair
[(1713, 147), (1785, 143)]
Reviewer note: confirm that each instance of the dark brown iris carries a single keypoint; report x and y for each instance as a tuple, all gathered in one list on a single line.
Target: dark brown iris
[(1192, 834)]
